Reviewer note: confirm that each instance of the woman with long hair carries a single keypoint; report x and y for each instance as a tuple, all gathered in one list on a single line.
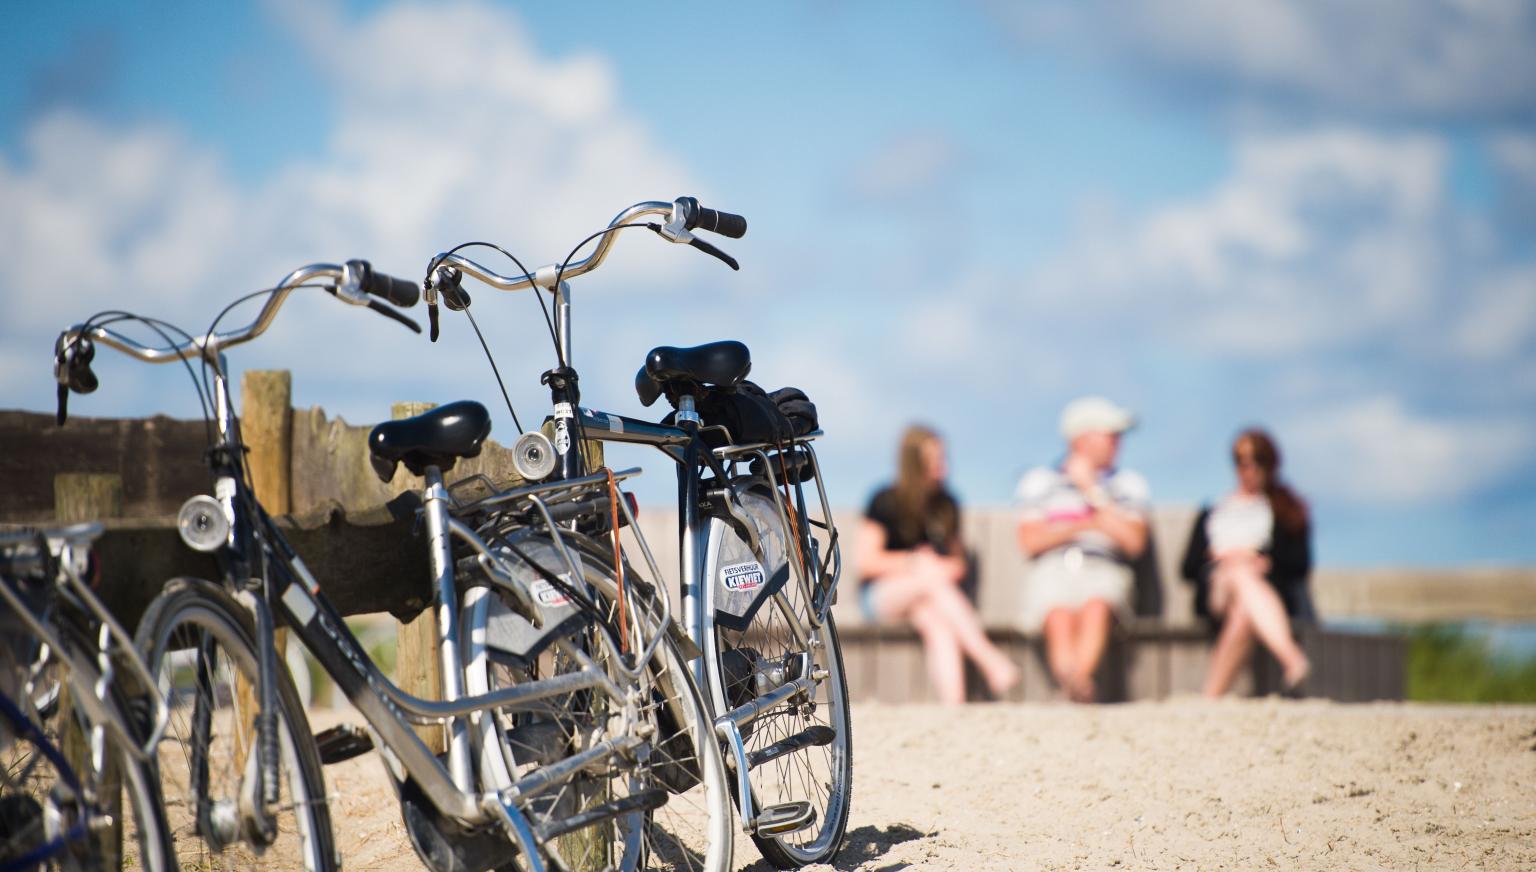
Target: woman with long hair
[(912, 566), (1249, 556)]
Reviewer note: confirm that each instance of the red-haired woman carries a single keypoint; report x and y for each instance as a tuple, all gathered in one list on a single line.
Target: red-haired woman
[(912, 566), (1249, 556)]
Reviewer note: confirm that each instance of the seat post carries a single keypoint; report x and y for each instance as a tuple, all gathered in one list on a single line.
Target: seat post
[(435, 506), (686, 410)]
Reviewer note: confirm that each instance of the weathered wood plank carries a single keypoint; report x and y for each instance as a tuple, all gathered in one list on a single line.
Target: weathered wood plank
[(158, 458), (86, 496)]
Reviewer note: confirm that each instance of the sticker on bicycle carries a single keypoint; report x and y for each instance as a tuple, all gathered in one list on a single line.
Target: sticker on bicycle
[(299, 603), (742, 576), (547, 594)]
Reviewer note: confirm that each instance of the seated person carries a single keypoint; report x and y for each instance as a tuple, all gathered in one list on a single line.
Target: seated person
[(912, 566), (1249, 557), (1083, 523)]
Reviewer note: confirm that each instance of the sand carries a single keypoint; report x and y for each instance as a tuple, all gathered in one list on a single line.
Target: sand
[(1250, 784)]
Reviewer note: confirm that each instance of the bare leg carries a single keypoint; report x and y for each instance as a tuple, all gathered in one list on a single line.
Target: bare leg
[(1061, 646), (1255, 596), (941, 650), (1233, 648), (999, 669), (1094, 621), (899, 594)]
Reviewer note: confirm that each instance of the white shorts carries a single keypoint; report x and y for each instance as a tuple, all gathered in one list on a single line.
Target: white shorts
[(1068, 578)]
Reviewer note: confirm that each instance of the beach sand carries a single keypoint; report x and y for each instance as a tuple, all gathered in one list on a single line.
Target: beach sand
[(1184, 784)]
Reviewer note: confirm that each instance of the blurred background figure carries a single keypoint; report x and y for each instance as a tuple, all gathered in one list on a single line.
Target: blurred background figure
[(1083, 523), (913, 567), (1249, 556)]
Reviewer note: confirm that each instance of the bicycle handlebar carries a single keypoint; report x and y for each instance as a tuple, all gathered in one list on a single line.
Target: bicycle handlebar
[(683, 215), (355, 282), (351, 282)]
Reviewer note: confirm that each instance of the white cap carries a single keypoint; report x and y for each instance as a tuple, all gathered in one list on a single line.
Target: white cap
[(1094, 415)]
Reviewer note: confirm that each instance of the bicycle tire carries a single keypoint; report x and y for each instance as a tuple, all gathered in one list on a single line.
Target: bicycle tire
[(220, 632), (693, 830), (820, 774)]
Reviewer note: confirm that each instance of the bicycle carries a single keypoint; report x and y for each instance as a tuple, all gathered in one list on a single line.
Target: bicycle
[(74, 740), (591, 782), (773, 675)]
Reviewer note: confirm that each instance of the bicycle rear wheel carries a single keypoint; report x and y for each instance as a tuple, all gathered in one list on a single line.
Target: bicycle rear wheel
[(198, 640), (799, 751)]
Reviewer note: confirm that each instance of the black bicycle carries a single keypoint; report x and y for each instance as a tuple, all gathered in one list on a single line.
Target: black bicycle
[(77, 730), (583, 739), (760, 558)]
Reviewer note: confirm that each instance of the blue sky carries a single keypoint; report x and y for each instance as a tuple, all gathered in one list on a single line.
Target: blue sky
[(1312, 217)]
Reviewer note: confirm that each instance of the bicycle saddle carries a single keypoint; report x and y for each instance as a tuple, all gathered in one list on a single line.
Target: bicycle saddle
[(435, 438), (679, 370)]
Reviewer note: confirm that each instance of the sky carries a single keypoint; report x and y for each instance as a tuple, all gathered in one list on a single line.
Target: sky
[(1316, 217)]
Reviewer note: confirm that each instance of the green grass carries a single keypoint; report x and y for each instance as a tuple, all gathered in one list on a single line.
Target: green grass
[(1446, 664)]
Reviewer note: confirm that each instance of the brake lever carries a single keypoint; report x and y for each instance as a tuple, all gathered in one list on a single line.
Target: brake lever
[(72, 370), (388, 311), (705, 247)]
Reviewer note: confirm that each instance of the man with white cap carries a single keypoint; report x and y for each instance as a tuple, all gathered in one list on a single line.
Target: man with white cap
[(1083, 523)]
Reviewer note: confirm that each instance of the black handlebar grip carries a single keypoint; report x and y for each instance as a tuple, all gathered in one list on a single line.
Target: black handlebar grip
[(398, 291), (723, 223)]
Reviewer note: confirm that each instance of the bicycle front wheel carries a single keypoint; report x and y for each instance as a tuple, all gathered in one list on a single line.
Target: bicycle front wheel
[(686, 822), (199, 642)]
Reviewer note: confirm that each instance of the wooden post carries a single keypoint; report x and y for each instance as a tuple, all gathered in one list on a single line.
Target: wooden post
[(81, 497), (417, 670), (266, 419), (266, 425)]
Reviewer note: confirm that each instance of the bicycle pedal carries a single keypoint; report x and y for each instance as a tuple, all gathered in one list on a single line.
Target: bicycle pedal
[(342, 742), (810, 737), (784, 818)]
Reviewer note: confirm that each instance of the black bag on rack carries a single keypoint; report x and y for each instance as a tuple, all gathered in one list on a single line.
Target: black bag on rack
[(798, 408), (748, 412)]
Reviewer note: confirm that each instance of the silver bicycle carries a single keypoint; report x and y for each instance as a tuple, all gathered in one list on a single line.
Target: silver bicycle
[(760, 557)]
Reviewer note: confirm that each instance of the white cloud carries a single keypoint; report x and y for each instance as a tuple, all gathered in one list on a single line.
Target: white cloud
[(1312, 241), (1327, 286), (1500, 321), (491, 139), (1374, 450), (1445, 58)]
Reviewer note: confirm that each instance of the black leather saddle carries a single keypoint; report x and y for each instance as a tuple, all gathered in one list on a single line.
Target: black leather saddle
[(436, 438), (683, 370)]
